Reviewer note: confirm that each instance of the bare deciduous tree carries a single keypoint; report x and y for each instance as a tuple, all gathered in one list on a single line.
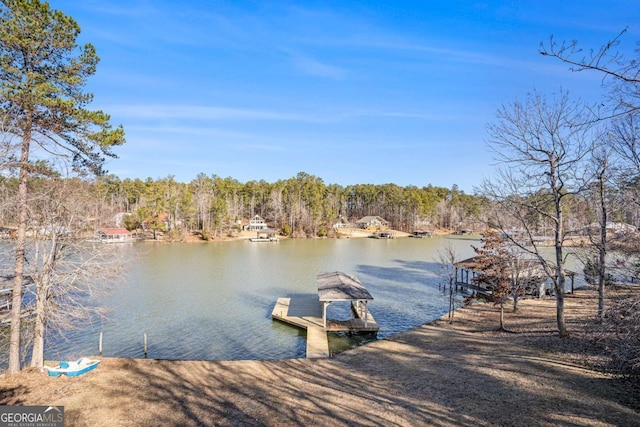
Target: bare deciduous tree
[(448, 257), (542, 146), (621, 74), (67, 271), (600, 190)]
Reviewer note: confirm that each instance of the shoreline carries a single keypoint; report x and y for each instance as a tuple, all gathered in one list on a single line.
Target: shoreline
[(354, 233), (436, 374), (246, 235)]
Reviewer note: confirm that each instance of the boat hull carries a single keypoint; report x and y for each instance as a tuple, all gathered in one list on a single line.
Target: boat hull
[(73, 369)]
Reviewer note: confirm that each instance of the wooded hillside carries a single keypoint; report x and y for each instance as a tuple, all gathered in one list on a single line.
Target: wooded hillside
[(301, 206)]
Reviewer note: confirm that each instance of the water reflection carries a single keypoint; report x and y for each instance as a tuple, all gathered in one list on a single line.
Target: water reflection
[(214, 300)]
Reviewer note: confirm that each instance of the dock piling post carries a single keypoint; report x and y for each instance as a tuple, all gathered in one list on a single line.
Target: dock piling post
[(100, 344), (145, 345)]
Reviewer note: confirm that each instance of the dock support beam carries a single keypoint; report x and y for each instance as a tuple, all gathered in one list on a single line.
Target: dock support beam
[(324, 313), (366, 313)]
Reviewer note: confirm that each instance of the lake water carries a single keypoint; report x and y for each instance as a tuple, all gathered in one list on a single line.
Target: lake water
[(213, 300)]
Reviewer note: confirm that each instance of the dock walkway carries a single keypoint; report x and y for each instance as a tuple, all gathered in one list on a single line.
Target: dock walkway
[(467, 287), (305, 312)]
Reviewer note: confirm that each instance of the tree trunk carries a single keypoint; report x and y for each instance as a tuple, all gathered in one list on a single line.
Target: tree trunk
[(37, 353), (559, 288), (43, 286), (541, 290), (562, 329), (602, 252), (601, 283), (502, 317), (560, 277), (451, 300), (18, 272)]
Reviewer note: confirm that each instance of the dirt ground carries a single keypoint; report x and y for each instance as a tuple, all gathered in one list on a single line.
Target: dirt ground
[(463, 374)]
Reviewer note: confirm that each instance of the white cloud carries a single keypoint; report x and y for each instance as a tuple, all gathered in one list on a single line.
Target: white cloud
[(197, 112), (316, 68)]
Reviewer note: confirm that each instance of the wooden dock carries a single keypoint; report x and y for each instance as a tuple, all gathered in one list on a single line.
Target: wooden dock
[(474, 289), (5, 306), (306, 312), (5, 315), (310, 311)]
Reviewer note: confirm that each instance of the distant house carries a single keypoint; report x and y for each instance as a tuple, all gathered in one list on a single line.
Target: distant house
[(256, 224), (114, 235), (620, 227), (422, 224), (50, 229), (342, 223), (372, 223)]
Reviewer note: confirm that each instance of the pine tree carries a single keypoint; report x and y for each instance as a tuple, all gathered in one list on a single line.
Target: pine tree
[(42, 76)]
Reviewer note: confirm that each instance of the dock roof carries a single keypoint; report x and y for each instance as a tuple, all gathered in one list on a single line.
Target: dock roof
[(339, 286), (473, 263)]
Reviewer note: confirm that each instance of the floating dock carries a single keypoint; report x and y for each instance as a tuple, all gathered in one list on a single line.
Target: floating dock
[(309, 311)]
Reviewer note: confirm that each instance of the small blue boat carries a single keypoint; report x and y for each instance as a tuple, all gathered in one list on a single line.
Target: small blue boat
[(73, 369)]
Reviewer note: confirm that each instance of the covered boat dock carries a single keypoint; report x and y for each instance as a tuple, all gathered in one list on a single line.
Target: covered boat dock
[(466, 271), (342, 287), (265, 235), (530, 271), (310, 312)]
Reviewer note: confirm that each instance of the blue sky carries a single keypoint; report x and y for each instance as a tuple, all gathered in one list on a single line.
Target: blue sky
[(350, 91)]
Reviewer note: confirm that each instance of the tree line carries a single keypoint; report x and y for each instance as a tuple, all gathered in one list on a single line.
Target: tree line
[(301, 206)]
